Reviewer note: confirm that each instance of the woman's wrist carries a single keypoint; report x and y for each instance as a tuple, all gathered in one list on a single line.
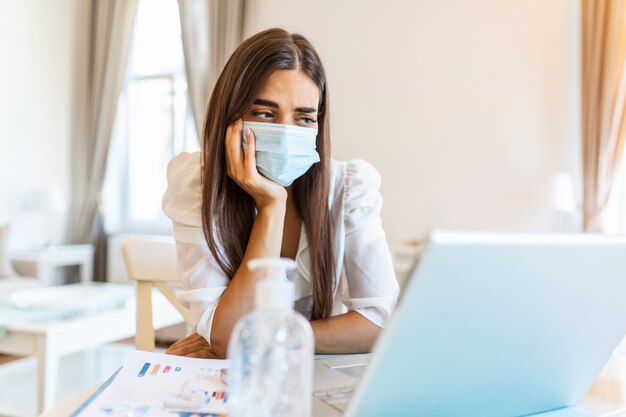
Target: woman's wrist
[(273, 216), (276, 204), (267, 232)]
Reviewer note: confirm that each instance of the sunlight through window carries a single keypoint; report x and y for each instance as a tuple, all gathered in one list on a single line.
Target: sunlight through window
[(153, 123)]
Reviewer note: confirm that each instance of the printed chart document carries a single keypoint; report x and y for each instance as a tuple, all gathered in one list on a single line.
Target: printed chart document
[(155, 385)]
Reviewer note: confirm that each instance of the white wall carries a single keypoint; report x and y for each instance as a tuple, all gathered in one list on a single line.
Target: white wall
[(467, 108), (37, 56)]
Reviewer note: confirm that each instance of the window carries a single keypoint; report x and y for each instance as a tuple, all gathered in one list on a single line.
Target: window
[(153, 123)]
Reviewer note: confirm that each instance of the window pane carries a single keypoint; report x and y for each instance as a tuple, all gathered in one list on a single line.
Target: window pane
[(153, 123), (150, 132), (157, 46)]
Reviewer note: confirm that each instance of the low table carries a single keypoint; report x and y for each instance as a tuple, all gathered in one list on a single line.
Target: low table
[(48, 259), (48, 340)]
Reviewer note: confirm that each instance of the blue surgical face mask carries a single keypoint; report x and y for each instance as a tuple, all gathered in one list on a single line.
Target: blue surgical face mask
[(283, 152)]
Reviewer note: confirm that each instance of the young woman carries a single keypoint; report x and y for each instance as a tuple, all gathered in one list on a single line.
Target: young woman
[(265, 186)]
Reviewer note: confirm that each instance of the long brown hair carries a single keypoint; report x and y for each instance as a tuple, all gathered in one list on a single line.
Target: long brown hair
[(227, 210)]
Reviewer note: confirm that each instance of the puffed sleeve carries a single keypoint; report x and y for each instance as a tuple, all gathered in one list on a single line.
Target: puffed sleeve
[(203, 280), (372, 285)]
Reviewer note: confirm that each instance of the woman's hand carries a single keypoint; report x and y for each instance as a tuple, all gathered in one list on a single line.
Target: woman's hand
[(241, 167), (193, 346)]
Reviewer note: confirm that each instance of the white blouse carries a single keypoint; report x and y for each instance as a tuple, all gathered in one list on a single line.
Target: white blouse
[(368, 284)]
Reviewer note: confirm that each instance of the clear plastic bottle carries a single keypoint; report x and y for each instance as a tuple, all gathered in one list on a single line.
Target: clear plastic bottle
[(271, 351)]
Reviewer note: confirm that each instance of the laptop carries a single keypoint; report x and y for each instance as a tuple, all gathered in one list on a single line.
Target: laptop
[(489, 324)]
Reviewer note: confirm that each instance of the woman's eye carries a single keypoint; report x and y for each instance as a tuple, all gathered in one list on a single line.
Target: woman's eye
[(265, 115), (306, 120)]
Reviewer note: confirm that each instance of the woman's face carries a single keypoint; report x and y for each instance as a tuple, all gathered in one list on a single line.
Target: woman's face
[(288, 97)]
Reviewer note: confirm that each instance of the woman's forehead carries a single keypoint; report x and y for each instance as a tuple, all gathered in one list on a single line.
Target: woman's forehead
[(291, 88)]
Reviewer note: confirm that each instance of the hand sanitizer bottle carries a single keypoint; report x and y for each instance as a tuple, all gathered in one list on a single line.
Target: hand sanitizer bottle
[(271, 351)]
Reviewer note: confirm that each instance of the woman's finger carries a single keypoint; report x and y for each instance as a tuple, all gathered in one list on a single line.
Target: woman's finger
[(204, 354), (185, 341), (178, 347), (234, 155), (250, 157), (187, 348), (193, 336), (229, 163)]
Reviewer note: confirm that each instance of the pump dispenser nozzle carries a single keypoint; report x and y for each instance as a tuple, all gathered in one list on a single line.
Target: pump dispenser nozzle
[(274, 290)]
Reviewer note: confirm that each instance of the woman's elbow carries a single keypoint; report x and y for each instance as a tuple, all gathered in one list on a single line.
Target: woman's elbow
[(372, 334), (368, 333)]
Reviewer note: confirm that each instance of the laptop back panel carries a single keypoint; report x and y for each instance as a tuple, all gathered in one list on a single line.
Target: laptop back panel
[(499, 325)]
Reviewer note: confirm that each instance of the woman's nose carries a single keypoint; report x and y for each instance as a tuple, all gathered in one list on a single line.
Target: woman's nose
[(286, 120)]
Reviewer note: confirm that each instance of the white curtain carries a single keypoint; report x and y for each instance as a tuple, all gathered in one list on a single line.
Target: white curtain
[(108, 35), (211, 31)]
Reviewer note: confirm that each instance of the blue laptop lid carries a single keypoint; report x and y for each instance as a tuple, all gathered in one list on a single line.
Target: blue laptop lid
[(494, 324)]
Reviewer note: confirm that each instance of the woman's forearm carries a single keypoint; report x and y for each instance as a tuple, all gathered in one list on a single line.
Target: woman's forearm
[(238, 298), (345, 333)]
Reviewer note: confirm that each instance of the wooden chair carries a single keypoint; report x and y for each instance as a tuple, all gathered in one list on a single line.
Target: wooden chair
[(151, 263)]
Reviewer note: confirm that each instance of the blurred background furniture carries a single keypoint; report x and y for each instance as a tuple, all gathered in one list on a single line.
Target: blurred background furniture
[(43, 263), (35, 322), (12, 277), (152, 264)]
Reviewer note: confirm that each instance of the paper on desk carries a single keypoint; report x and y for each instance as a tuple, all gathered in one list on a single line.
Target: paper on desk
[(148, 379)]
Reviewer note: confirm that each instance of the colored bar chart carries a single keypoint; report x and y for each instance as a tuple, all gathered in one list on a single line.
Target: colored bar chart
[(220, 396), (146, 369)]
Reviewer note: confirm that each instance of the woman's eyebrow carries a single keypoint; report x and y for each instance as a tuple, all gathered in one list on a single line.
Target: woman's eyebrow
[(268, 103), (306, 109), (273, 104)]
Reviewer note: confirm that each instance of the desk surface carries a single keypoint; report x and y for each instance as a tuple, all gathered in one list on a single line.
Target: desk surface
[(66, 408), (607, 396)]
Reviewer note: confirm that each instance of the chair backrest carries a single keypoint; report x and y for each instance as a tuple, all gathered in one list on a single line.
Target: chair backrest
[(151, 263)]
